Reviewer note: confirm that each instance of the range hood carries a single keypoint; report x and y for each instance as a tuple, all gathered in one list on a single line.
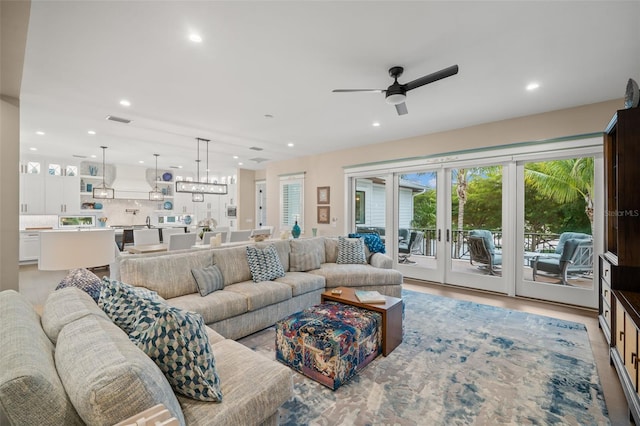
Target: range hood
[(131, 183)]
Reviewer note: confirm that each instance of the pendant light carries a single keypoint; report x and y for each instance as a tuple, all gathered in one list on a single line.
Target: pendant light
[(156, 195), (198, 197), (103, 192), (199, 188)]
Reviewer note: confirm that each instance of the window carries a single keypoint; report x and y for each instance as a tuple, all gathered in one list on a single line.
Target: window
[(360, 210), (291, 200)]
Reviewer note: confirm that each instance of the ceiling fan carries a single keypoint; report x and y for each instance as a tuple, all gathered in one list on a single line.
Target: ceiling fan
[(396, 94)]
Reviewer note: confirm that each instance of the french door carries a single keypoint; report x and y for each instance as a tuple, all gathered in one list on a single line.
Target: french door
[(430, 215)]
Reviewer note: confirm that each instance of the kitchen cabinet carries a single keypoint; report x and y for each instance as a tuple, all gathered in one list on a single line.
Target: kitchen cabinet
[(62, 194), (29, 246), (32, 188)]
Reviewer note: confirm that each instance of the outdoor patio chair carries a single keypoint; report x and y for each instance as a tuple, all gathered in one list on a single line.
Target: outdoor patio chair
[(413, 246), (574, 254), (483, 250)]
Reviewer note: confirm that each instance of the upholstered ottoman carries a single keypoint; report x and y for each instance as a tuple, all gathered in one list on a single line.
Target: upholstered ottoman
[(330, 342)]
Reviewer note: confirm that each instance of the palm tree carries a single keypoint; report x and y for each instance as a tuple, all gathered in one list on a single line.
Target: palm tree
[(564, 181)]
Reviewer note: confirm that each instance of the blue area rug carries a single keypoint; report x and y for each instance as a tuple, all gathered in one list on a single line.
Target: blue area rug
[(460, 363)]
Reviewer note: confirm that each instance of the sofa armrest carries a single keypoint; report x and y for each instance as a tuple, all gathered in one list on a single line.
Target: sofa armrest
[(380, 260)]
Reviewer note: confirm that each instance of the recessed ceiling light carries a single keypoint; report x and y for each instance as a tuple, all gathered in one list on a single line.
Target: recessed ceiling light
[(39, 132), (195, 38), (375, 124), (532, 86), (92, 132), (240, 164), (93, 156), (141, 161), (125, 102), (33, 148), (290, 145), (235, 157)]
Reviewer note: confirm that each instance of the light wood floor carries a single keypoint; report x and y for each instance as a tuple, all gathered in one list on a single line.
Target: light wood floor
[(36, 285), (613, 394)]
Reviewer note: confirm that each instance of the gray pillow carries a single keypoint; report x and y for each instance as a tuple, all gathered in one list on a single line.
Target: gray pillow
[(351, 250), (208, 279), (303, 262)]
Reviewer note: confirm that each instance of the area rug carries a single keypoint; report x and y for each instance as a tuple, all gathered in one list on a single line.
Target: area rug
[(460, 363)]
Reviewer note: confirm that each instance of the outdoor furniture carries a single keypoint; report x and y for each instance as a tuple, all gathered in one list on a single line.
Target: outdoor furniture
[(574, 254), (413, 246), (483, 250), (181, 241)]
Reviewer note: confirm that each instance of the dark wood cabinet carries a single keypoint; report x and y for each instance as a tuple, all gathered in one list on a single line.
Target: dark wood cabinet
[(619, 271)]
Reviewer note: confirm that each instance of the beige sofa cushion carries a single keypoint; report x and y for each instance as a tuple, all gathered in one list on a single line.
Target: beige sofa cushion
[(31, 392), (310, 245), (169, 275), (65, 306), (302, 282), (253, 387), (233, 264), (349, 275), (261, 294), (106, 376), (214, 307)]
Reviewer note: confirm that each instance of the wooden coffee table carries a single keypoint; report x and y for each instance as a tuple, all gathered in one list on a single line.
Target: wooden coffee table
[(391, 312)]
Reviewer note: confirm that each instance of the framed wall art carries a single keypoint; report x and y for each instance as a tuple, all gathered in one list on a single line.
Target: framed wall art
[(323, 214), (324, 194)]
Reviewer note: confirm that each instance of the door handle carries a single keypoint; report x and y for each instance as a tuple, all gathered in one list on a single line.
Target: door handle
[(447, 235), (439, 234)]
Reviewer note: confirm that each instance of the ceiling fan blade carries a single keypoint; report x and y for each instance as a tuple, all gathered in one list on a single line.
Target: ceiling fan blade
[(438, 75), (358, 90), (401, 109)]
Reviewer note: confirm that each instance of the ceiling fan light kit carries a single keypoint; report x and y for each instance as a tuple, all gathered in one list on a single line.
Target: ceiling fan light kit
[(396, 94)]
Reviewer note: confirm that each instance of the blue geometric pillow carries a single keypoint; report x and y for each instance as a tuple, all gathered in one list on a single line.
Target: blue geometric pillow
[(264, 263), (372, 241), (351, 250), (177, 341), (119, 300), (85, 280)]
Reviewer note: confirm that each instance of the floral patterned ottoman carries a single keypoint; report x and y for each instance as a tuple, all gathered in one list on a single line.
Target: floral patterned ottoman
[(330, 342)]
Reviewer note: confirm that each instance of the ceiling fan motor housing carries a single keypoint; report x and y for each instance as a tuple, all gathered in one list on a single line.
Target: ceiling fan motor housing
[(396, 93)]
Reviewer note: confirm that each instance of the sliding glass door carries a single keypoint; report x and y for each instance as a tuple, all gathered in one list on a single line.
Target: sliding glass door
[(520, 221)]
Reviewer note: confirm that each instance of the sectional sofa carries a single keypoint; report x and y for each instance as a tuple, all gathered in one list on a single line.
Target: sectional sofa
[(243, 307), (73, 365)]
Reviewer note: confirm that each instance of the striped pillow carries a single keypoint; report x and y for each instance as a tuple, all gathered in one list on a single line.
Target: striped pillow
[(351, 250), (264, 263), (303, 262), (208, 279)]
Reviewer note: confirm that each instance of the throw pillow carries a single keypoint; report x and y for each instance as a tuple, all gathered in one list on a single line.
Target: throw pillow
[(372, 241), (351, 250), (208, 279), (118, 300), (85, 280), (303, 262), (264, 263), (177, 341)]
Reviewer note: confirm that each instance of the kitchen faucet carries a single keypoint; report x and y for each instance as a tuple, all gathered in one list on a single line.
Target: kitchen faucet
[(148, 222)]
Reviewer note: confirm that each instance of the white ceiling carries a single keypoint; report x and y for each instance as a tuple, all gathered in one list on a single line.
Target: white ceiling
[(284, 58)]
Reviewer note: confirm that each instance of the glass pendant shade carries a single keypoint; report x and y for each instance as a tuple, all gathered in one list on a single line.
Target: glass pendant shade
[(102, 191), (197, 197), (156, 195)]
